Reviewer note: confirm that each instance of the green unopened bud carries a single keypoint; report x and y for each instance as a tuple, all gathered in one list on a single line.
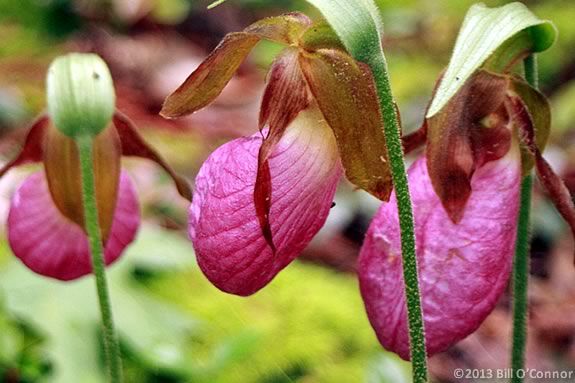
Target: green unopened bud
[(81, 98)]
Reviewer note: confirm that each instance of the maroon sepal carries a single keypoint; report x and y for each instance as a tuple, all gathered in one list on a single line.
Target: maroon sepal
[(33, 148), (134, 145), (285, 96)]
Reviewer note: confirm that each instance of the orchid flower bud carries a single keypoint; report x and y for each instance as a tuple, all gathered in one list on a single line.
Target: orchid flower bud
[(81, 98)]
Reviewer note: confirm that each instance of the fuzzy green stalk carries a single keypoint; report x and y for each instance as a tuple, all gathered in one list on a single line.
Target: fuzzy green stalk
[(368, 49), (392, 131), (521, 260), (111, 346)]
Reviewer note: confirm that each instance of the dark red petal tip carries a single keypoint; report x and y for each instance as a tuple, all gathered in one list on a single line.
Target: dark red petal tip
[(33, 148), (286, 95)]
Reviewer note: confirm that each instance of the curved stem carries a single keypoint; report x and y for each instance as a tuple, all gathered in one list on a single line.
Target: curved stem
[(111, 345), (392, 132), (521, 260)]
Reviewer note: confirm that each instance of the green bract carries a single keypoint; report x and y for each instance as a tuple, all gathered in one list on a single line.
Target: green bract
[(512, 27), (81, 98), (357, 23)]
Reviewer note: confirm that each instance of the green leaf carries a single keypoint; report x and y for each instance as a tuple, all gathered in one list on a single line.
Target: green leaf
[(358, 25), (511, 27), (80, 93)]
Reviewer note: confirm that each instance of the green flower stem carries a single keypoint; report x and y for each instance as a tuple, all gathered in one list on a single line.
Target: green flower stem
[(530, 66), (392, 132), (521, 261), (111, 345)]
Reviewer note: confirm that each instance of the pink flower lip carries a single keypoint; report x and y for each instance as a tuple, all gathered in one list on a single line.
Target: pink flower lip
[(464, 268), (230, 247), (52, 245)]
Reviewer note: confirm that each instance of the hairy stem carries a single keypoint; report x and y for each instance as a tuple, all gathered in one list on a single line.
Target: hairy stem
[(521, 261), (392, 132), (111, 345)]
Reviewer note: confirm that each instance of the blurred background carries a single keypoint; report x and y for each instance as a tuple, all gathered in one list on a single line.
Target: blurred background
[(309, 324)]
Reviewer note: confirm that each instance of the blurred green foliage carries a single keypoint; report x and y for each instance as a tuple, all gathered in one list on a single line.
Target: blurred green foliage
[(308, 324)]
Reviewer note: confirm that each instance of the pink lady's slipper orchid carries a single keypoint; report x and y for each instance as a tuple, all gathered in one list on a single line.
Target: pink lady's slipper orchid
[(46, 217), (261, 199), (463, 267), (465, 197)]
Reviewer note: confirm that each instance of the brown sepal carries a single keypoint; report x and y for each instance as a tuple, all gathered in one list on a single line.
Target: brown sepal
[(134, 145), (210, 78), (345, 92), (32, 150), (62, 166), (285, 96), (458, 141)]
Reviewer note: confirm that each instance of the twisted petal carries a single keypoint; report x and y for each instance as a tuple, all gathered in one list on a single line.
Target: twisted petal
[(224, 227), (210, 78), (464, 267), (52, 245)]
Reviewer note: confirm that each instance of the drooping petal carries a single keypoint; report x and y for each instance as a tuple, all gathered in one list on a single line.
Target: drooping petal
[(286, 95), (210, 78), (52, 245), (134, 145), (557, 191), (224, 227), (463, 267), (531, 114), (32, 150)]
